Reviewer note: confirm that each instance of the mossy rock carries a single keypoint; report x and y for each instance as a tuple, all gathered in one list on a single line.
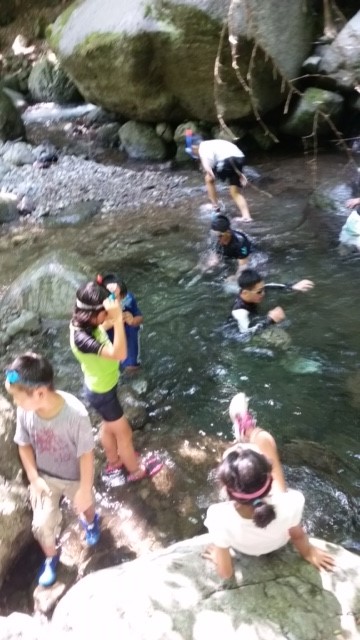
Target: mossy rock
[(154, 62), (11, 124), (141, 141), (302, 121), (48, 82)]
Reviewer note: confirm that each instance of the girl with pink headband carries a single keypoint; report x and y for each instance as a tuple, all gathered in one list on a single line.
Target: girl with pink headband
[(256, 520)]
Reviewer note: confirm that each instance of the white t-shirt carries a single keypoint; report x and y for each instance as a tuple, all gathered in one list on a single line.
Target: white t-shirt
[(214, 151), (228, 529)]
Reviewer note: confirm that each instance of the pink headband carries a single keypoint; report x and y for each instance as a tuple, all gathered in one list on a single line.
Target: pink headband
[(256, 494)]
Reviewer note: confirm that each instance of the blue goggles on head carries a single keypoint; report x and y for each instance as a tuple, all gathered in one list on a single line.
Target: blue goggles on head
[(12, 376)]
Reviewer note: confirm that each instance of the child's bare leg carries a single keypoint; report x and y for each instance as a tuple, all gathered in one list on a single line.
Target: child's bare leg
[(211, 189), (240, 202), (121, 444), (108, 441)]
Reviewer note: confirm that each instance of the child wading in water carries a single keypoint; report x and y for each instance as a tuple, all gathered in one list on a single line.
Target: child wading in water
[(55, 440), (256, 520), (132, 316), (99, 360)]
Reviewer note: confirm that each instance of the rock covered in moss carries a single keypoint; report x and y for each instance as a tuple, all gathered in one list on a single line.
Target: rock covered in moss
[(155, 61), (301, 122), (141, 141), (11, 124), (48, 82)]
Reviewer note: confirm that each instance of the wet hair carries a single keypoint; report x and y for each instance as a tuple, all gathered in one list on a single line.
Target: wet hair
[(249, 278), (245, 472), (29, 371), (111, 278), (220, 223), (91, 295)]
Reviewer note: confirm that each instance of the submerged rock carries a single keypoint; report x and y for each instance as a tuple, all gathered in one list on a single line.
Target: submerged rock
[(47, 287)]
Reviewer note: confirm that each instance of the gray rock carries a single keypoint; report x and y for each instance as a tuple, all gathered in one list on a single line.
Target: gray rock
[(75, 214), (141, 142), (175, 594), (27, 322), (311, 64), (301, 121), (18, 154), (16, 98), (154, 62), (48, 287), (11, 124), (8, 209), (165, 131), (134, 407), (48, 82), (341, 58), (107, 135), (4, 169)]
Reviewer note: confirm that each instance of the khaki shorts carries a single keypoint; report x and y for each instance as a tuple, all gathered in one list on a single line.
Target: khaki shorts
[(46, 509)]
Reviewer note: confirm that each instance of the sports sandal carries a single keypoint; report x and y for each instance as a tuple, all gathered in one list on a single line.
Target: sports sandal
[(150, 467)]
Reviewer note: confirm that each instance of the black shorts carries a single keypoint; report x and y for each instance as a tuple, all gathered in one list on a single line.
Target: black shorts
[(107, 404), (227, 171)]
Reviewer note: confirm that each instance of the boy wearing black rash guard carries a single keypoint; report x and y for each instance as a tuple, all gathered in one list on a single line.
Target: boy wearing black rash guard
[(252, 291), (228, 244)]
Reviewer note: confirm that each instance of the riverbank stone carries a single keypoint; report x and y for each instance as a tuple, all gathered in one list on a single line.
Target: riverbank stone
[(15, 524), (341, 58), (141, 141), (47, 287), (18, 154), (155, 62), (11, 124), (48, 82), (301, 122)]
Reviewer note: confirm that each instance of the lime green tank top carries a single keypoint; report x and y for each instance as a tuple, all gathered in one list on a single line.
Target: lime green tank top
[(100, 374)]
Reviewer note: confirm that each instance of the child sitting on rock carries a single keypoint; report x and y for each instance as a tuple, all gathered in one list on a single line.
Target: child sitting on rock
[(256, 520), (56, 448)]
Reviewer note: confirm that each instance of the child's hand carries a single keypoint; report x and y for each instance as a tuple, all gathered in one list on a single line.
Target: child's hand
[(38, 487), (113, 309), (277, 314), (320, 559), (82, 500), (353, 202), (303, 285), (128, 318)]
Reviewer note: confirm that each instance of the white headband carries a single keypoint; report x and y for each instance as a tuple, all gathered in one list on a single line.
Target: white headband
[(88, 307)]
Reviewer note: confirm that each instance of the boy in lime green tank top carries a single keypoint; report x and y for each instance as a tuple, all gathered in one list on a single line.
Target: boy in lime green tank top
[(99, 360)]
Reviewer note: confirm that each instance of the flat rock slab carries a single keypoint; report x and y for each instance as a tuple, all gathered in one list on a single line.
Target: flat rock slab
[(175, 595)]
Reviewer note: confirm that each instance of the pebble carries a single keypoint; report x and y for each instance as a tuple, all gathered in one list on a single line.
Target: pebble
[(74, 178)]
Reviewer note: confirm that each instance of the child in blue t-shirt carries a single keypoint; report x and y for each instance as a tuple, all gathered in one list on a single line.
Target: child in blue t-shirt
[(132, 316)]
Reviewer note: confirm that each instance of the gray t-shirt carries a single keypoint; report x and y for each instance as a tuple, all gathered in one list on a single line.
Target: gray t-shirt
[(59, 442)]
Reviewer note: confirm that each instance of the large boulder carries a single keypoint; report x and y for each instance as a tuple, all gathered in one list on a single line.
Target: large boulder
[(47, 287), (11, 124), (341, 58), (175, 594), (155, 61)]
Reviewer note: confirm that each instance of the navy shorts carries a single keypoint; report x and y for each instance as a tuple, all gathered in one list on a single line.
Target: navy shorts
[(228, 171), (106, 404)]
